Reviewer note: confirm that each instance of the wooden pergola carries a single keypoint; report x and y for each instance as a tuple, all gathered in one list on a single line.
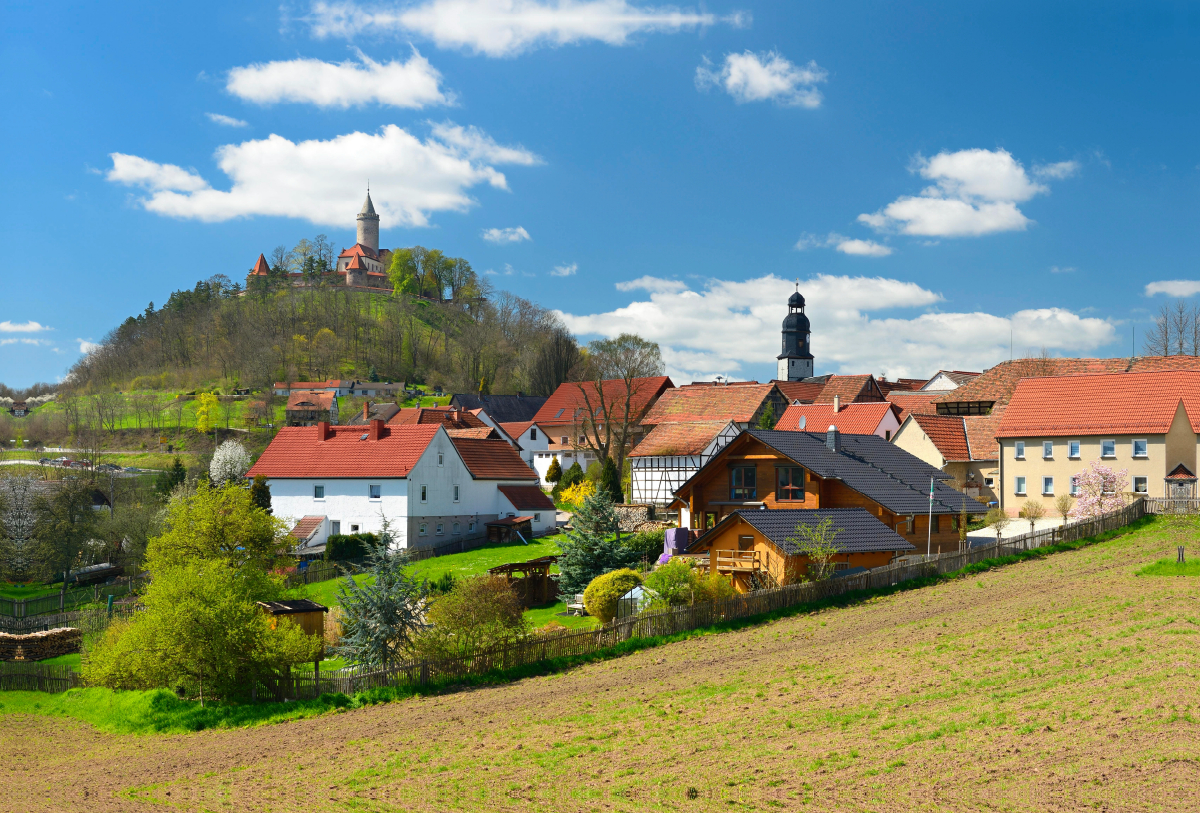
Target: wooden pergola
[(530, 580)]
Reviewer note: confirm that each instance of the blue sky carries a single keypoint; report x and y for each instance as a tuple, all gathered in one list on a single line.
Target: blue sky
[(939, 177)]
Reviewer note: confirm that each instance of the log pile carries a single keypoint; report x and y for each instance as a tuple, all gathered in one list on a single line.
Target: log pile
[(37, 646)]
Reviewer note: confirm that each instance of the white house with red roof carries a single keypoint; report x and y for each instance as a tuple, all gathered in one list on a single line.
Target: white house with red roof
[(433, 489)]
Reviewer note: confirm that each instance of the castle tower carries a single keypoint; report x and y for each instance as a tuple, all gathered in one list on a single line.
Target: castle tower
[(795, 362), (368, 225)]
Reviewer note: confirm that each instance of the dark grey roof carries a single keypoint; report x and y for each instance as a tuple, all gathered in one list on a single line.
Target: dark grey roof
[(379, 412), (857, 530), (875, 468), (503, 408)]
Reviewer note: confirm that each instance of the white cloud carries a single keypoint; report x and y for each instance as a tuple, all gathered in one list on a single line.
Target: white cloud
[(751, 77), (87, 347), (846, 245), (1060, 170), (22, 327), (511, 235), (34, 342), (1174, 287), (320, 181), (565, 270), (725, 326), (414, 83), (975, 192), (226, 121), (507, 27), (1066, 269)]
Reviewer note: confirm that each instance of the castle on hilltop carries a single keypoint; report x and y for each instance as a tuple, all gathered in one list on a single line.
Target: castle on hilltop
[(363, 265)]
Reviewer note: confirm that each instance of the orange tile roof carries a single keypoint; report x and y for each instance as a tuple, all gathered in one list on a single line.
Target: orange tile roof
[(853, 419), (683, 438), (802, 391), (981, 434), (481, 432), (568, 400), (452, 417), (527, 498), (709, 402), (1116, 404), (850, 388), (1181, 472), (914, 402), (309, 400), (306, 527), (896, 386), (261, 268), (356, 264), (297, 451), (360, 250), (492, 460), (947, 432), (514, 430)]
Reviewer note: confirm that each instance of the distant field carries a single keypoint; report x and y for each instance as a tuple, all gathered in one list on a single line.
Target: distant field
[(1065, 683)]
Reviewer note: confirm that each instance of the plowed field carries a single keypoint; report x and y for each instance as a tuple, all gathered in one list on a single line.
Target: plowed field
[(1062, 684)]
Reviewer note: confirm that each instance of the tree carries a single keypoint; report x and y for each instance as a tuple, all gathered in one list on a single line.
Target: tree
[(1063, 505), (479, 613), (767, 420), (610, 481), (170, 479), (1100, 490), (1176, 331), (64, 525), (555, 472), (613, 377), (404, 271), (601, 595), (206, 406), (592, 547), (1033, 510), (372, 375), (383, 613), (219, 523), (816, 543), (997, 519), (260, 493), (557, 356), (229, 464)]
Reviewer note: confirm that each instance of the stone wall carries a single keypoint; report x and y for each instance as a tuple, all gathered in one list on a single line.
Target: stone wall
[(37, 646)]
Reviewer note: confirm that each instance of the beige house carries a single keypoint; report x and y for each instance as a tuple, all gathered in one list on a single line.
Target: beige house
[(963, 446), (1055, 427)]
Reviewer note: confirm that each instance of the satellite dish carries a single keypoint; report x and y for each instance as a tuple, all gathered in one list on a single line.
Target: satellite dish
[(803, 421)]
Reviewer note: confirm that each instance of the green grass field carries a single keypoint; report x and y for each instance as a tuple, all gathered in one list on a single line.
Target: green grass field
[(1169, 567), (18, 592)]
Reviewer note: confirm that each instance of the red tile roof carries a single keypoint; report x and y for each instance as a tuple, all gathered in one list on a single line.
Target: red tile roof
[(356, 264), (298, 451), (306, 527), (981, 434), (801, 391), (481, 432), (360, 250), (309, 400), (853, 419), (1117, 404), (492, 460), (670, 439), (948, 433), (452, 417), (568, 401), (914, 402), (261, 268), (900, 385), (527, 498), (1181, 472), (709, 402), (513, 430), (850, 388)]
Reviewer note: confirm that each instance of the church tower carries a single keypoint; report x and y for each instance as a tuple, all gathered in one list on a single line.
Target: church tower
[(795, 362), (368, 225)]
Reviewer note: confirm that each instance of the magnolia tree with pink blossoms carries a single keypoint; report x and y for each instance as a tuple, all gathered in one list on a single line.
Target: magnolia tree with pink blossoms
[(1100, 490)]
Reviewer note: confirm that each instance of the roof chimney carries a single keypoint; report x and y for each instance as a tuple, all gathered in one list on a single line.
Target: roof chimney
[(837, 404), (833, 441), (366, 410), (323, 432), (377, 430)]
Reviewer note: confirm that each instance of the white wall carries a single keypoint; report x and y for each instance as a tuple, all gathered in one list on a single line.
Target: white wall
[(543, 521), (345, 501), (530, 446), (541, 462)]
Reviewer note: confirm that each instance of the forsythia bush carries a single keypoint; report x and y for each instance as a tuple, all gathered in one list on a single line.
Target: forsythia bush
[(576, 494)]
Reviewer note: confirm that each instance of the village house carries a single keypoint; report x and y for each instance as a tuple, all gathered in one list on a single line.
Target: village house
[(498, 409), (948, 380), (528, 439), (432, 488), (963, 446), (854, 418), (1053, 428), (687, 425), (333, 385), (757, 548), (766, 470), (308, 408)]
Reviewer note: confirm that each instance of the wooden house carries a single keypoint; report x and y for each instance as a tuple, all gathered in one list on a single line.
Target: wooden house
[(789, 469), (758, 548)]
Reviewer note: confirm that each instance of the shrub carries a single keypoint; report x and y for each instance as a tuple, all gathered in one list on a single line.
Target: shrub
[(480, 613), (575, 495), (594, 471), (647, 544), (555, 472), (677, 583), (591, 547), (340, 547), (610, 480), (443, 584), (601, 596)]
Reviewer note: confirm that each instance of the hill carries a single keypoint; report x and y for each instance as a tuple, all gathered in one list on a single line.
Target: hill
[(1067, 680)]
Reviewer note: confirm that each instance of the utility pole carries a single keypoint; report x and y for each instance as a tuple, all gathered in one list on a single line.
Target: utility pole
[(929, 528)]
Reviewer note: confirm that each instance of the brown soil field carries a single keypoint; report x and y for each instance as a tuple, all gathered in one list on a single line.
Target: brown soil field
[(1061, 684)]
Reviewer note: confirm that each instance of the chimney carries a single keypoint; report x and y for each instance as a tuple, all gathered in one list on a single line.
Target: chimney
[(837, 404), (377, 430), (833, 441), (366, 410), (323, 432)]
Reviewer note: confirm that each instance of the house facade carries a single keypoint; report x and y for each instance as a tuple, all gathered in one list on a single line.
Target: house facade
[(963, 446), (309, 408), (531, 442)]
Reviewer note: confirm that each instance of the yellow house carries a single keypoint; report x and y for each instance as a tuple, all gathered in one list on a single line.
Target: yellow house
[(1054, 428), (963, 446)]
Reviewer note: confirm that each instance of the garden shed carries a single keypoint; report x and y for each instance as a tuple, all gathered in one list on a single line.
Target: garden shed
[(531, 580), (510, 529), (307, 614)]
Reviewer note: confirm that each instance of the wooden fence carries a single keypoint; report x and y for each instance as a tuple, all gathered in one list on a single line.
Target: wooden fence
[(537, 648), (1172, 505), (92, 619), (19, 676), (61, 602)]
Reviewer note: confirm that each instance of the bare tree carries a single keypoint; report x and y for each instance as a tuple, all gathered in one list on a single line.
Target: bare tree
[(1176, 331), (612, 401), (554, 362)]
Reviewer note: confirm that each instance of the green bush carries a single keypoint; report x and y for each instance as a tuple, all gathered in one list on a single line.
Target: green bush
[(573, 475), (340, 547), (648, 544), (555, 472), (601, 596), (595, 471)]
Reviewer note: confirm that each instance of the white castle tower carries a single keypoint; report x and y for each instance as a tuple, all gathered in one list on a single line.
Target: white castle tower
[(368, 225)]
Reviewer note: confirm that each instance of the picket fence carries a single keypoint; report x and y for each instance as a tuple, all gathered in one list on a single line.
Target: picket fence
[(92, 619), (22, 676), (537, 648)]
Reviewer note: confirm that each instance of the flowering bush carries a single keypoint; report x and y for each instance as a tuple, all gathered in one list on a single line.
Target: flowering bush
[(664, 558), (576, 494), (1100, 490), (229, 463)]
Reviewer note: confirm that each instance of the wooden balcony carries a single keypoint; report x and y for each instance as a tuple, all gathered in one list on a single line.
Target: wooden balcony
[(737, 561)]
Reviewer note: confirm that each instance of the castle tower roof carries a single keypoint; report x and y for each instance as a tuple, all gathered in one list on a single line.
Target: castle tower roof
[(356, 264), (261, 268), (368, 208)]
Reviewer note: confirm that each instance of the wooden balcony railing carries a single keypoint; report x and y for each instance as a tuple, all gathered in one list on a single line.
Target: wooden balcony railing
[(737, 560)]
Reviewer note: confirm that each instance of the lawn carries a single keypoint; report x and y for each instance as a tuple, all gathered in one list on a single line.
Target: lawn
[(1067, 679), (1169, 567), (17, 592)]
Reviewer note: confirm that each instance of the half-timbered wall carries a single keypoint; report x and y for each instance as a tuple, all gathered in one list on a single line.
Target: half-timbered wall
[(654, 479)]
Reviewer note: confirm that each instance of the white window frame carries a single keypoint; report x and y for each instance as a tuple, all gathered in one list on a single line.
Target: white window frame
[(1019, 450), (423, 530), (1076, 490), (1019, 486), (440, 530), (424, 493), (374, 492), (456, 492), (1047, 486), (1145, 483), (471, 526), (1073, 447), (1146, 445), (319, 497), (537, 517), (1047, 450), (441, 458), (1113, 454)]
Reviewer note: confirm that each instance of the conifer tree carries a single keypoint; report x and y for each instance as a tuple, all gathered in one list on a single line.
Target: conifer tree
[(610, 481), (555, 472), (593, 546)]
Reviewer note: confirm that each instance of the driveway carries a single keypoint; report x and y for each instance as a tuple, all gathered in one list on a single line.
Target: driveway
[(1017, 527)]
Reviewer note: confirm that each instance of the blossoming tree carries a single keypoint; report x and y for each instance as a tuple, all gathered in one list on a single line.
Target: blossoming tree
[(1100, 490)]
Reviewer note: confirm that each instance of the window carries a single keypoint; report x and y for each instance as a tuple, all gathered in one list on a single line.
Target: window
[(1019, 486), (335, 528), (990, 482), (374, 492), (424, 529), (1140, 485), (471, 526), (887, 434), (1073, 449), (439, 529), (741, 483), (456, 527), (318, 492), (353, 529), (1048, 486), (441, 458), (533, 433), (790, 485), (537, 517), (456, 493), (1047, 450), (1019, 449), (1074, 486), (1108, 448), (745, 543), (424, 493), (563, 440), (1141, 448)]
